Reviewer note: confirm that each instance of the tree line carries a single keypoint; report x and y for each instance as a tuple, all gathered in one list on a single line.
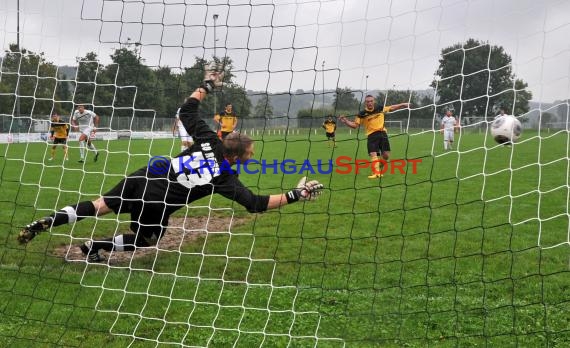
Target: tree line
[(473, 79), (125, 87)]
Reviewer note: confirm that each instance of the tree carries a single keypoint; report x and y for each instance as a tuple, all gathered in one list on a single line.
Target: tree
[(263, 108), (136, 83), (127, 87), (396, 97), (305, 117), (477, 79), (546, 118), (425, 108), (522, 97), (230, 92), (63, 88), (168, 86), (345, 100), (29, 84), (87, 69)]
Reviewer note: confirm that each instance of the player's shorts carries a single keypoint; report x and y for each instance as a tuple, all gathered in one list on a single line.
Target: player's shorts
[(87, 131), (448, 135), (378, 142), (149, 198), (59, 141), (330, 135), (225, 134)]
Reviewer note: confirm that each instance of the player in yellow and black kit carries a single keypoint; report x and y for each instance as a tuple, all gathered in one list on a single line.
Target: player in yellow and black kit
[(330, 127), (227, 121), (372, 117), (59, 131)]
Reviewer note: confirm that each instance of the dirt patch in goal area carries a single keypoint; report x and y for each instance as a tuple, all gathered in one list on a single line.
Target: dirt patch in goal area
[(180, 231)]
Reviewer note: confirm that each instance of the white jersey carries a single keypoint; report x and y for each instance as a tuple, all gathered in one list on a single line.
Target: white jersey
[(448, 123), (85, 119)]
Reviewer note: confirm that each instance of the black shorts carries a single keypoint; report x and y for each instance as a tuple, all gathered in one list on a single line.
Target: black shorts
[(330, 135), (225, 134), (150, 199), (57, 141), (378, 142)]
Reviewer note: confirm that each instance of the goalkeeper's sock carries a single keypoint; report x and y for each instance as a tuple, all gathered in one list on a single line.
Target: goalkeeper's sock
[(71, 214), (52, 152), (122, 242)]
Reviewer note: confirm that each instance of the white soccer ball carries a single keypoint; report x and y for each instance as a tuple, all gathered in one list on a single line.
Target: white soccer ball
[(506, 129)]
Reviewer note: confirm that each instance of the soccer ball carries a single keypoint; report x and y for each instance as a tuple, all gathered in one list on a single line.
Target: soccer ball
[(506, 129)]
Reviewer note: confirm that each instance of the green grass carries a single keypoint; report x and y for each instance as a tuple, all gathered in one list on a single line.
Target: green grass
[(471, 250)]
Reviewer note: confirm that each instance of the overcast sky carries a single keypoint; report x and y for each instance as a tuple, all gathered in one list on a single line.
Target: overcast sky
[(280, 45)]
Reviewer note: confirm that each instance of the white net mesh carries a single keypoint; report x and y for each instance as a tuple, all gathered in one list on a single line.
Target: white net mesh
[(466, 245)]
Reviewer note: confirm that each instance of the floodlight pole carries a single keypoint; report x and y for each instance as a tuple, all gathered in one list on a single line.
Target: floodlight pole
[(215, 20), (215, 16), (323, 71), (18, 48)]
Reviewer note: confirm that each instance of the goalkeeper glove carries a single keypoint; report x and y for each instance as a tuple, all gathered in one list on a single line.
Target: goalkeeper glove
[(305, 191), (213, 77)]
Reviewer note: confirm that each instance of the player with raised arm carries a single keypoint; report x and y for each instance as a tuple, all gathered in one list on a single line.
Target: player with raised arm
[(449, 125), (178, 127), (59, 132), (87, 122), (152, 193), (372, 117)]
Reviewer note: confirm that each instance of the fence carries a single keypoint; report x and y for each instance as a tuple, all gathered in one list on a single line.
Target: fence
[(26, 124)]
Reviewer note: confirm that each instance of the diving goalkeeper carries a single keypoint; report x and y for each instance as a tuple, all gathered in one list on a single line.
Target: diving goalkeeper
[(151, 194)]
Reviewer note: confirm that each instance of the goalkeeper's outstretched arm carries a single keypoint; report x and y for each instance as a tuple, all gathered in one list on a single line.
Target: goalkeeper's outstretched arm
[(237, 192)]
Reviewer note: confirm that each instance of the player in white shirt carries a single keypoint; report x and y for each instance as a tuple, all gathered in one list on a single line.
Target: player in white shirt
[(448, 126), (186, 139), (87, 122)]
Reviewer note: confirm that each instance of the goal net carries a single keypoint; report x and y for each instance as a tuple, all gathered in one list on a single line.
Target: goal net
[(461, 242)]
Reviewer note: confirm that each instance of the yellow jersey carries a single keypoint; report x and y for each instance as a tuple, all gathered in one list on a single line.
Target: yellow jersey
[(373, 121), (59, 129), (228, 122), (330, 126)]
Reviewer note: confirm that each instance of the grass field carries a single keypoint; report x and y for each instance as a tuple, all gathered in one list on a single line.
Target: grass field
[(472, 250)]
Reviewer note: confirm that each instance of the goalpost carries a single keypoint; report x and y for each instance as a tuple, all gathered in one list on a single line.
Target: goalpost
[(395, 126), (454, 248)]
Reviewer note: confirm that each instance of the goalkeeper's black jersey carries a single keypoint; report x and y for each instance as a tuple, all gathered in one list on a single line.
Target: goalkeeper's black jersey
[(207, 144), (195, 173)]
